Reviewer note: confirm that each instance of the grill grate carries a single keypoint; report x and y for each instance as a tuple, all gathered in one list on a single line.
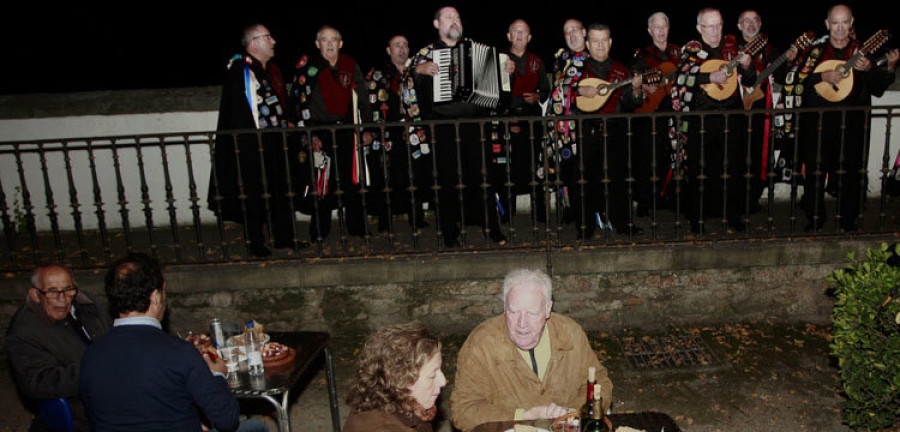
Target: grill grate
[(666, 351)]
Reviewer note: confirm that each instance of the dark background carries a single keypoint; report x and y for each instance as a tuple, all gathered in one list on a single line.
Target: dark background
[(77, 47)]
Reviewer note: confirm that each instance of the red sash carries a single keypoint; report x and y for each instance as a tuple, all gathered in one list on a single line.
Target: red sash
[(337, 86)]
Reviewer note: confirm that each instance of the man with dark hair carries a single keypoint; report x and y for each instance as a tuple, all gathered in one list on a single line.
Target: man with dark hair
[(138, 378), (248, 184), (459, 156), (47, 338)]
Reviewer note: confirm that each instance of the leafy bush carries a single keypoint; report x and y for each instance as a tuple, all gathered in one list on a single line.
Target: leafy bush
[(866, 342)]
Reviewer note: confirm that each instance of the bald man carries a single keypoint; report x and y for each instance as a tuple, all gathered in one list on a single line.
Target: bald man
[(837, 142), (48, 336)]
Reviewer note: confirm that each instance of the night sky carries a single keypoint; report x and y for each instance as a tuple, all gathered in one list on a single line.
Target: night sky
[(79, 47)]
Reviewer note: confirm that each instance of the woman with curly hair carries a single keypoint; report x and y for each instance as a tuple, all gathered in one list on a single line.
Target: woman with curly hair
[(398, 381)]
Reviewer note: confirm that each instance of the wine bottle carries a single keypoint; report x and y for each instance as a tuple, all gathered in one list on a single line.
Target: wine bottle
[(591, 382), (596, 422)]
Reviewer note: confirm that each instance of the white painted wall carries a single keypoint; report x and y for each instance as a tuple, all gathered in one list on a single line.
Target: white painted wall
[(77, 128)]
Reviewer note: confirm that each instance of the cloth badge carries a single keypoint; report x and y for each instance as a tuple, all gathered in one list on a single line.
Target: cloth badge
[(376, 145), (417, 154), (372, 85), (703, 54), (377, 75), (264, 110), (278, 110), (413, 139), (313, 71), (691, 80), (382, 95), (305, 114), (388, 145), (372, 99), (566, 153), (262, 122), (421, 134), (302, 62), (376, 115), (798, 90), (424, 148)]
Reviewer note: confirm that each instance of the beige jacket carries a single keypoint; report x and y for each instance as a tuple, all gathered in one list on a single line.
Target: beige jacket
[(492, 379)]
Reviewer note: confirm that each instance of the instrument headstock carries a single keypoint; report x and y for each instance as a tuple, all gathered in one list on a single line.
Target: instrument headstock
[(876, 41), (805, 40), (756, 44)]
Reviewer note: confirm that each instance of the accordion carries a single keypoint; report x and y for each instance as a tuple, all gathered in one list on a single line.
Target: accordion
[(470, 72)]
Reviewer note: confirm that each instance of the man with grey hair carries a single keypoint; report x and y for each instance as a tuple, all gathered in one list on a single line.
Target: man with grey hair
[(526, 364), (47, 338)]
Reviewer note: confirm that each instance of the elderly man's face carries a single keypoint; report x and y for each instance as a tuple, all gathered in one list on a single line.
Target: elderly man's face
[(659, 30), (519, 35), (526, 313), (598, 44), (839, 23), (54, 282), (329, 44), (710, 28), (749, 24)]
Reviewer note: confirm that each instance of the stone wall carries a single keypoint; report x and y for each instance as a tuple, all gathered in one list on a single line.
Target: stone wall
[(604, 289)]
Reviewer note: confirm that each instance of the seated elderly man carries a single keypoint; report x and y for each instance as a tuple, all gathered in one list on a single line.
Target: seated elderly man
[(47, 337), (527, 364)]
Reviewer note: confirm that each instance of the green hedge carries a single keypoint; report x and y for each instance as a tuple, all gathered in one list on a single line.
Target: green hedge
[(866, 341)]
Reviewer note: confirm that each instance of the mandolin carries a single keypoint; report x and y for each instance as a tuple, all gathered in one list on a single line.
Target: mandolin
[(754, 93), (653, 99), (723, 91), (840, 91), (605, 89)]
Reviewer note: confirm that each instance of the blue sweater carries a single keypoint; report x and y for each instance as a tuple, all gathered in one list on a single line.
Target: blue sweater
[(137, 378)]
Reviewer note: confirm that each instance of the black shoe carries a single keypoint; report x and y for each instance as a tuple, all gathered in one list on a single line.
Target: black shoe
[(259, 250), (498, 237)]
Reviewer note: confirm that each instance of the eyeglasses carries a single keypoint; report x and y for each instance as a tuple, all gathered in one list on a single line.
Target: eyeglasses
[(267, 36), (55, 294), (712, 26)]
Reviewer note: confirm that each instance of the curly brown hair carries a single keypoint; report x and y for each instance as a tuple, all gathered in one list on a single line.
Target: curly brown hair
[(390, 362)]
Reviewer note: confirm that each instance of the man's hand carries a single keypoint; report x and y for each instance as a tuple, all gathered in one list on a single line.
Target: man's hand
[(863, 64), (587, 91), (650, 88), (545, 412), (744, 60), (510, 66), (636, 84), (718, 77), (428, 68), (791, 53), (531, 98), (215, 366), (892, 57), (832, 76)]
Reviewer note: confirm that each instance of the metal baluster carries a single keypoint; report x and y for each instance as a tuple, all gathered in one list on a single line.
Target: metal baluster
[(886, 166), (581, 185), (98, 203), (242, 194), (748, 175), (387, 191), (338, 192), (678, 171), (794, 165), (216, 196), (145, 197), (266, 196), (770, 175), (606, 211), (26, 204), (535, 186), (629, 177), (509, 184), (414, 203), (9, 229), (313, 172), (701, 179), (725, 175), (194, 199), (863, 169), (840, 174), (290, 196), (170, 200), (51, 205), (123, 203), (460, 185), (654, 178), (436, 188), (361, 187), (487, 201), (73, 202)]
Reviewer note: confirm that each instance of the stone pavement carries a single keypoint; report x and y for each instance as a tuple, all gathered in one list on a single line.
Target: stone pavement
[(758, 377)]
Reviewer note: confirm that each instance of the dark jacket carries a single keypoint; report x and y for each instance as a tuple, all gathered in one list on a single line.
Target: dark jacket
[(45, 355)]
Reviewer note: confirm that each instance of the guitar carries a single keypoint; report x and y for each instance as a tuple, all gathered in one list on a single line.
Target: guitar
[(723, 91), (605, 89), (653, 99), (840, 91), (754, 93)]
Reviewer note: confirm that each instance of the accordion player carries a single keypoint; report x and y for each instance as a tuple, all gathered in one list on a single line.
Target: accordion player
[(470, 72)]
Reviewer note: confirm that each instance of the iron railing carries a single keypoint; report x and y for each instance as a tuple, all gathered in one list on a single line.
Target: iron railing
[(85, 201)]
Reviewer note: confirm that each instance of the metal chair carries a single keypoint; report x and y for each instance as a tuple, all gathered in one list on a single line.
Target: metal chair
[(57, 414)]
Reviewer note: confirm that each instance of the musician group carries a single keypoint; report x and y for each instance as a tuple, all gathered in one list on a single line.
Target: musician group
[(606, 172)]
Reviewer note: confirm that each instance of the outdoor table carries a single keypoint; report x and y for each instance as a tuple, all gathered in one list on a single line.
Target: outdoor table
[(648, 421), (309, 346)]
